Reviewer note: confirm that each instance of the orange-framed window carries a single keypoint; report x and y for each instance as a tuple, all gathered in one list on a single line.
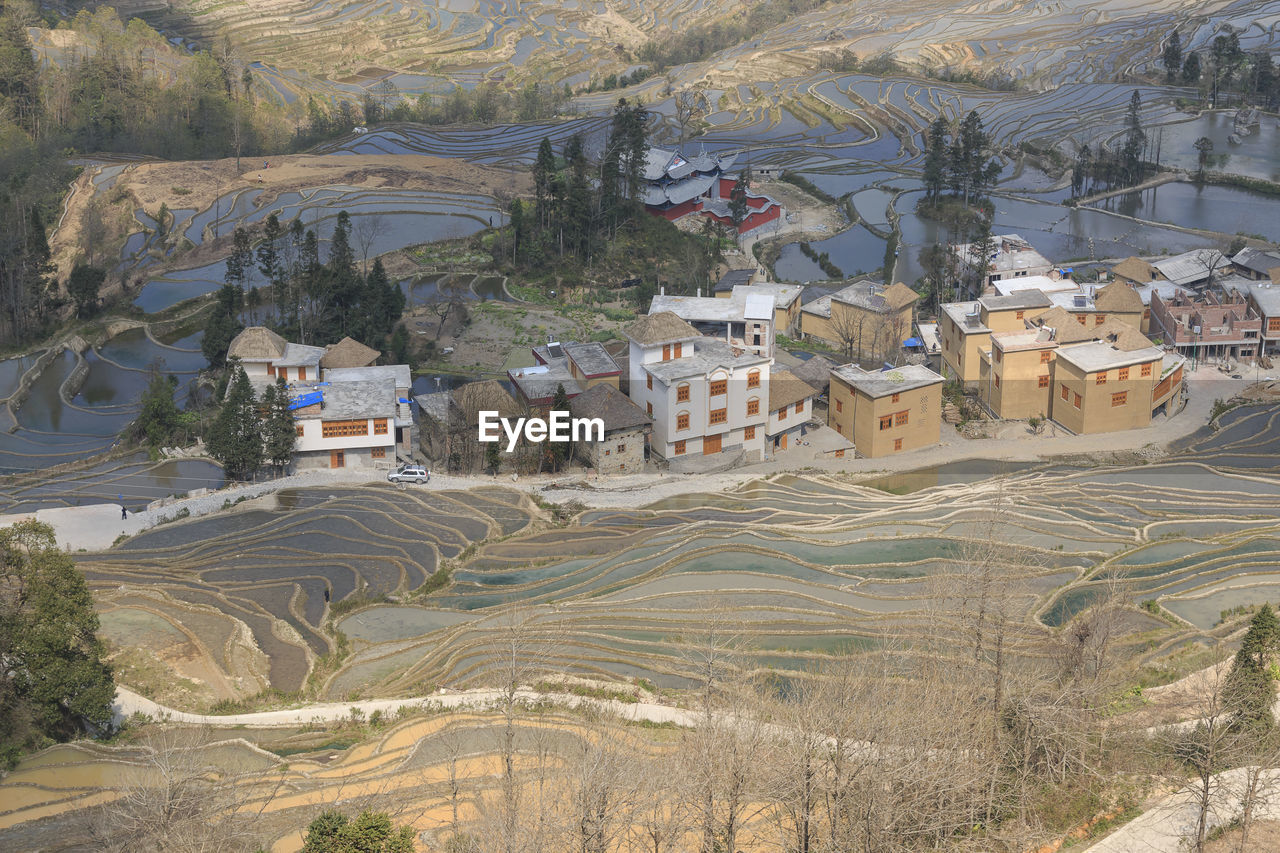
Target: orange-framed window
[(719, 416), (378, 453), (1021, 315), (1146, 371), (1043, 381), (1102, 378), (1119, 399), (997, 380), (380, 426), (719, 387), (895, 398), (682, 392), (649, 408), (1076, 402), (886, 423), (800, 408), (343, 429), (337, 459), (1124, 374), (1065, 393), (840, 453), (782, 413), (1273, 324), (753, 379), (753, 406), (648, 381), (1045, 355), (622, 448), (680, 448), (682, 420), (1099, 319), (900, 418), (897, 444), (748, 433), (839, 405), (999, 356), (1080, 319)]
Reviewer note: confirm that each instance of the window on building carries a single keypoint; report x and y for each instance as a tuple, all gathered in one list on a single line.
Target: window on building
[(378, 453), (666, 352), (897, 444), (649, 408), (380, 426), (1065, 392), (682, 392), (682, 420), (753, 406), (1124, 374), (1146, 313), (895, 398), (1076, 402), (999, 356), (298, 428), (271, 370), (719, 416), (1146, 371), (839, 405), (622, 448), (886, 423), (607, 453), (782, 413), (1045, 356), (343, 429), (1273, 324), (1099, 319), (800, 408), (1102, 378), (997, 381), (679, 449), (1043, 381), (337, 459), (1020, 315), (900, 418), (840, 453), (302, 374), (677, 350), (1080, 319), (719, 387), (1119, 399), (749, 433), (648, 381), (753, 379)]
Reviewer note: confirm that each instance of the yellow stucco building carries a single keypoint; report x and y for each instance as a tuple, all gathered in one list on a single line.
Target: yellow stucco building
[(886, 412)]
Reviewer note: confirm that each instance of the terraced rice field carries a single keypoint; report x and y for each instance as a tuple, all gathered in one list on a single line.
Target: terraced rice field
[(809, 565)]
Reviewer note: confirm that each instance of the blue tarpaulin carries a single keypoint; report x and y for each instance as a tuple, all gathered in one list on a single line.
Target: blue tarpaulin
[(308, 399), (913, 342)]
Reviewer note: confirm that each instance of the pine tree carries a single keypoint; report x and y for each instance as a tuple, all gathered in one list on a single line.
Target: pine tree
[(1250, 685), (557, 452), (544, 169), (738, 209), (222, 326), (1172, 57), (935, 158), (1191, 69), (279, 428), (235, 438), (1135, 140)]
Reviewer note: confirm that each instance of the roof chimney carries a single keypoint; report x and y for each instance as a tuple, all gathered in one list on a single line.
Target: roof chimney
[(699, 292), (662, 291)]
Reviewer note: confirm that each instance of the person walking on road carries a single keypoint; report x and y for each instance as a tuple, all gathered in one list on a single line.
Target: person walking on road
[(124, 513)]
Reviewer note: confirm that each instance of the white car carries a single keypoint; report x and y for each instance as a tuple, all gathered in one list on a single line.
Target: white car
[(409, 474)]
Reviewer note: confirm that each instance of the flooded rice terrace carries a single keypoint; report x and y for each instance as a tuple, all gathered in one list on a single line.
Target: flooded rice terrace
[(809, 565)]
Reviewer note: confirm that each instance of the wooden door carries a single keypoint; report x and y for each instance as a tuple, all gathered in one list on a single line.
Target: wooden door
[(711, 444), (337, 459), (784, 442), (302, 374)]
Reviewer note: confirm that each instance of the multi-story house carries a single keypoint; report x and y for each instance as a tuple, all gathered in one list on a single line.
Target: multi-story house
[(1113, 384), (863, 320), (888, 411), (790, 409), (1013, 257), (344, 424), (744, 320), (1264, 300), (405, 433), (966, 327), (1017, 374), (786, 302), (706, 396), (626, 428), (1257, 264), (1210, 327), (264, 355)]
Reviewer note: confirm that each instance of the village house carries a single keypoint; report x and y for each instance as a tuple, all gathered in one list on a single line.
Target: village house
[(265, 355), (1017, 374), (1209, 327), (1193, 269), (572, 366), (888, 411), (1093, 305), (1264, 301), (1013, 257), (450, 421), (344, 424), (626, 430), (1113, 384), (401, 380), (347, 353), (744, 320), (707, 397), (863, 320), (790, 410), (786, 303), (966, 327), (1257, 264)]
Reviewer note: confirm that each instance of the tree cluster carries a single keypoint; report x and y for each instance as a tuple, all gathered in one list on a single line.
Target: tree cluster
[(962, 163), (1109, 168), (55, 683), (1226, 70), (247, 434)]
